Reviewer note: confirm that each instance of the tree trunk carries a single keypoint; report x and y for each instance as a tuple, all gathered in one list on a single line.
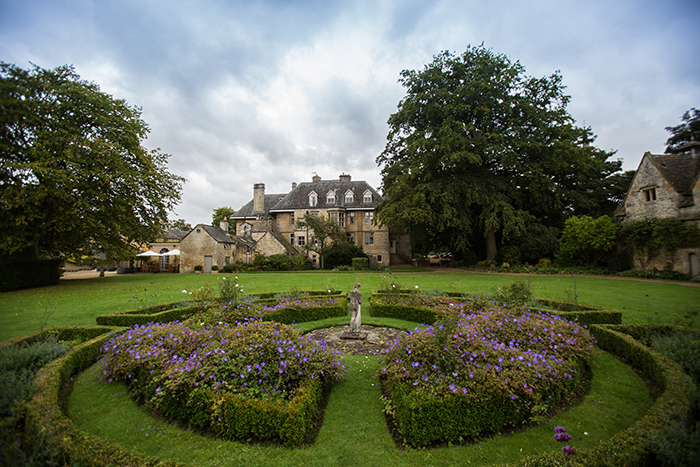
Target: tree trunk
[(491, 250)]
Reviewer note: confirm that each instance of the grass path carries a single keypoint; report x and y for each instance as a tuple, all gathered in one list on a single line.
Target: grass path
[(354, 432)]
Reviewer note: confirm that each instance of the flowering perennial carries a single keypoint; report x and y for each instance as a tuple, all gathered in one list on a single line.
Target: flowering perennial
[(254, 358), (528, 358)]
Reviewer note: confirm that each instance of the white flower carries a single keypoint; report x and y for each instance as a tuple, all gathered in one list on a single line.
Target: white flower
[(416, 286), (184, 291)]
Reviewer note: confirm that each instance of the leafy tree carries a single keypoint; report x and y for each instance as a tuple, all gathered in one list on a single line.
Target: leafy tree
[(687, 131), (479, 149), (74, 176), (180, 224), (222, 214), (588, 239), (325, 231)]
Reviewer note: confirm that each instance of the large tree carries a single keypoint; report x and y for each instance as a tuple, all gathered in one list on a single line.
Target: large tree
[(325, 231), (74, 175), (688, 130), (477, 150)]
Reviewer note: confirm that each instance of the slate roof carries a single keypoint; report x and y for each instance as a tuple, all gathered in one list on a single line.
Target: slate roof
[(298, 198), (679, 170), (222, 236), (175, 234), (247, 210)]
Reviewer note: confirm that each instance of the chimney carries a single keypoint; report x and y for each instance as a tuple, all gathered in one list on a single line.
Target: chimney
[(316, 178), (224, 226), (345, 177), (259, 197), (294, 185)]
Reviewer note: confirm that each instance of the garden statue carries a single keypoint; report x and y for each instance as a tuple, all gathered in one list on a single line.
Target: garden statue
[(355, 316)]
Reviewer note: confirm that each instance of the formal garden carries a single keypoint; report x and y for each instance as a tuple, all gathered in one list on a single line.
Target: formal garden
[(222, 370)]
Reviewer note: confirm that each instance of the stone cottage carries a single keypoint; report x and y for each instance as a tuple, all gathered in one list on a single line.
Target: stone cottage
[(667, 187), (208, 246), (270, 219)]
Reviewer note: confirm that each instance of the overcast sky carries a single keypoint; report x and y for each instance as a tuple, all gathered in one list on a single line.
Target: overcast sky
[(240, 92)]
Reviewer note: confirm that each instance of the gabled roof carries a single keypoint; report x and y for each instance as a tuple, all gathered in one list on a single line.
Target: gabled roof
[(221, 236), (680, 170), (247, 210), (298, 198)]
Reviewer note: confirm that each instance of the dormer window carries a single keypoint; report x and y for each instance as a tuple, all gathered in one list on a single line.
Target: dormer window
[(367, 197), (649, 194), (349, 197), (330, 197), (313, 199)]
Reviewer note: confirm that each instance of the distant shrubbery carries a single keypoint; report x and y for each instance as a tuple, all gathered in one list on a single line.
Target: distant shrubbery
[(277, 262)]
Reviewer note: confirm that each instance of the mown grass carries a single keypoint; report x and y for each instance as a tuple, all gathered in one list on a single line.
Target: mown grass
[(354, 431), (78, 302)]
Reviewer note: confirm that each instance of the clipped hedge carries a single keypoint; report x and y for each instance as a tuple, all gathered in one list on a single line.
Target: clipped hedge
[(47, 423), (583, 314), (26, 274), (674, 403), (157, 314), (295, 314), (399, 311)]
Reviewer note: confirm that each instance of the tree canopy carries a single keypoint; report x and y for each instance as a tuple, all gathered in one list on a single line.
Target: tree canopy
[(222, 214), (325, 231), (477, 150), (688, 130), (74, 175)]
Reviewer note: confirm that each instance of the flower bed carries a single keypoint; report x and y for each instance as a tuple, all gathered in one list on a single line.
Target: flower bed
[(488, 370), (256, 379)]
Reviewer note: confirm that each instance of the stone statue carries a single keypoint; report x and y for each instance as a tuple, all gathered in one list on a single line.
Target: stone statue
[(355, 314)]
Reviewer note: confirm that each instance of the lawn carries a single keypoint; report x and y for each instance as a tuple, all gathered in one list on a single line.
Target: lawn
[(78, 302)]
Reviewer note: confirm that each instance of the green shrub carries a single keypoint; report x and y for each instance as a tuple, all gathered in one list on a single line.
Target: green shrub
[(25, 274), (445, 385), (360, 264), (676, 444), (342, 254), (683, 349)]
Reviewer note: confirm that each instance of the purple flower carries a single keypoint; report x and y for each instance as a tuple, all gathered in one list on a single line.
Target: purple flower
[(559, 429), (568, 450), (562, 436)]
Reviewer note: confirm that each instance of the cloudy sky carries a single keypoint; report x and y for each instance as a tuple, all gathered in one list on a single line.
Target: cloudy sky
[(240, 92)]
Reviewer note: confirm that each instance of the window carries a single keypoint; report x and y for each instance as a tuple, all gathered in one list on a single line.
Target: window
[(291, 218), (341, 219), (369, 238), (349, 197), (227, 260), (313, 199), (368, 217), (227, 246), (330, 197), (367, 197), (301, 240), (351, 218), (351, 237), (379, 258), (291, 239), (333, 216), (649, 194)]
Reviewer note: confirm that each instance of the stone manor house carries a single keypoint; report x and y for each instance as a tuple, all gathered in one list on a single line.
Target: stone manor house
[(267, 225)]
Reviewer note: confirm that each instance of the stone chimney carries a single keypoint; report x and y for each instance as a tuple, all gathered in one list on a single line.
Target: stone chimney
[(345, 177), (294, 185), (224, 226), (316, 178), (259, 197)]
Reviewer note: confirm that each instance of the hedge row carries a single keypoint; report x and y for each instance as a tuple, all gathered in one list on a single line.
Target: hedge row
[(291, 315), (583, 314), (46, 423), (25, 274), (423, 419), (158, 314), (405, 312), (674, 403)]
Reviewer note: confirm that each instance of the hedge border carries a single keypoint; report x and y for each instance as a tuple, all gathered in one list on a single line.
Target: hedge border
[(133, 317), (47, 422), (630, 447)]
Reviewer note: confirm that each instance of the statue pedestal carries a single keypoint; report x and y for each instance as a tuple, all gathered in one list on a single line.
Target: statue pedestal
[(353, 335)]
